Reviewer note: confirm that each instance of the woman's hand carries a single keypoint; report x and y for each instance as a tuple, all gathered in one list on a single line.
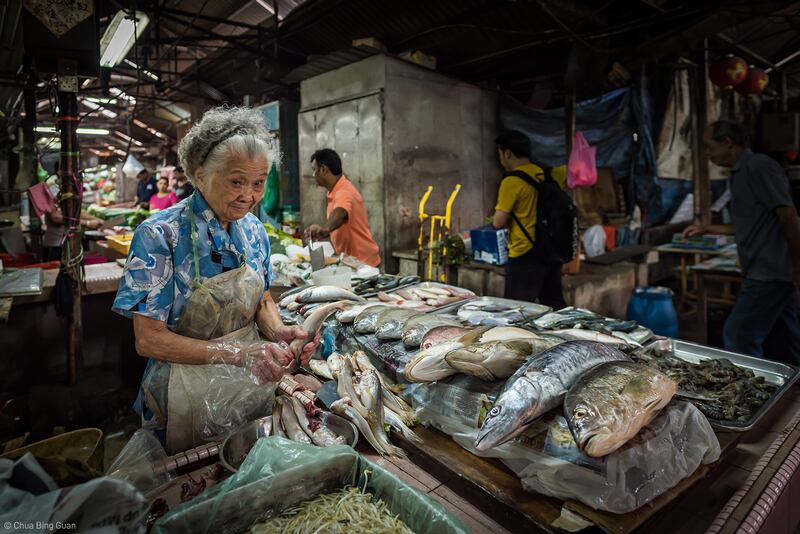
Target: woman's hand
[(287, 334), (265, 361)]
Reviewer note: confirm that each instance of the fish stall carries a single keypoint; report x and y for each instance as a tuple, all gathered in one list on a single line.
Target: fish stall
[(565, 417), (552, 419)]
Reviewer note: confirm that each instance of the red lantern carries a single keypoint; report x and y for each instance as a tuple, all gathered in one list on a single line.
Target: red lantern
[(728, 72), (754, 83)]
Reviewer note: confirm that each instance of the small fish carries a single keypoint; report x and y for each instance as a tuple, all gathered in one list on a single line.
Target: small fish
[(364, 323), (313, 323), (415, 328), (539, 386), (564, 318), (396, 422), (440, 334), (349, 314), (320, 368), (591, 335), (611, 403), (326, 294), (390, 323), (493, 360), (290, 423)]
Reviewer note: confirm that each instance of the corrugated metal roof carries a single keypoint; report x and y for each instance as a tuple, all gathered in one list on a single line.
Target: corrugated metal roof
[(330, 62)]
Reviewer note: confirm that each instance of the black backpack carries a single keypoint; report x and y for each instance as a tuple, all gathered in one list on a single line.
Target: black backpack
[(556, 220)]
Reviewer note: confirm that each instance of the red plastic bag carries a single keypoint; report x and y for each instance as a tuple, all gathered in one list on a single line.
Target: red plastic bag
[(581, 167)]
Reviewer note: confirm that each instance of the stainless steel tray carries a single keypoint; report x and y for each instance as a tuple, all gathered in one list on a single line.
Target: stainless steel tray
[(776, 373)]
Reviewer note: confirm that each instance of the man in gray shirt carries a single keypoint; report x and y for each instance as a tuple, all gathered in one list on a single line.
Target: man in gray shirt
[(767, 233)]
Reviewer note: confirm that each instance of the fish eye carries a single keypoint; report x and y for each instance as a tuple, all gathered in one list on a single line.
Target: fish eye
[(579, 413), (494, 411)]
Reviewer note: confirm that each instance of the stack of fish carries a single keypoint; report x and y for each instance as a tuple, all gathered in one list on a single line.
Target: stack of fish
[(578, 323), (290, 419), (367, 400), (426, 297), (488, 353), (304, 300), (606, 398)]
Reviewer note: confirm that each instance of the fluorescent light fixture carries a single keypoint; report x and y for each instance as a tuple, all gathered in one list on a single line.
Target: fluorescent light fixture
[(145, 71), (120, 36), (153, 131), (128, 138), (266, 6), (103, 101), (122, 94), (86, 83), (107, 112), (80, 131), (119, 152)]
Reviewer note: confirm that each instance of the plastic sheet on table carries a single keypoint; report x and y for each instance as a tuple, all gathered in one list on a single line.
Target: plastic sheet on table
[(136, 461), (665, 452), (278, 474)]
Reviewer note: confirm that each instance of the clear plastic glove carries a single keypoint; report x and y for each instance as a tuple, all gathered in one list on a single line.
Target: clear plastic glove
[(287, 334), (266, 361)]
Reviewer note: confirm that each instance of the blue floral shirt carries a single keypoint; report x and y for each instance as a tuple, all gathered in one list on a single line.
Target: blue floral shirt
[(158, 278)]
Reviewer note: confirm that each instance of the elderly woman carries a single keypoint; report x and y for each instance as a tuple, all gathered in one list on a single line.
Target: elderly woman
[(196, 285)]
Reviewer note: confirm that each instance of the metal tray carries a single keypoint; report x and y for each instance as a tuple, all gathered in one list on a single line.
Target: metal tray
[(776, 373)]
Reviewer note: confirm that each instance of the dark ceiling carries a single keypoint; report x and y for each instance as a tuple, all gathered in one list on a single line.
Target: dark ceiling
[(199, 53)]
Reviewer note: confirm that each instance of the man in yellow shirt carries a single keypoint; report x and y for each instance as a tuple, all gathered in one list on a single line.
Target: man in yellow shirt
[(529, 277)]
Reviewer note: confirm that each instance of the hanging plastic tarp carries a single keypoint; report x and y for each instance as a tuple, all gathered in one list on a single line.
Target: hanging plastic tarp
[(271, 202), (617, 123)]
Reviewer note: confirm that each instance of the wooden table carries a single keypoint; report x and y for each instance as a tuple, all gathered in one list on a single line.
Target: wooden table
[(501, 490), (708, 272), (684, 253)]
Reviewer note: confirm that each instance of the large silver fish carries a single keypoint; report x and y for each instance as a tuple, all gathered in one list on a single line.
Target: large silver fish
[(493, 360), (313, 323), (390, 323), (611, 403), (416, 327), (539, 386), (326, 294), (364, 323)]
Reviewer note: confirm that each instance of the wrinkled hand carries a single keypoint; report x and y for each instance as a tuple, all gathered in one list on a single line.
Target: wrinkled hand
[(264, 361), (315, 232), (287, 334), (695, 229)]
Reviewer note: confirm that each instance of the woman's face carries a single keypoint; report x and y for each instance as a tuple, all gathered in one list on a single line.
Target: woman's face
[(236, 187), (163, 185)]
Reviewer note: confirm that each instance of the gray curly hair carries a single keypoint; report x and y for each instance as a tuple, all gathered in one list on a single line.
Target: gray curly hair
[(221, 133)]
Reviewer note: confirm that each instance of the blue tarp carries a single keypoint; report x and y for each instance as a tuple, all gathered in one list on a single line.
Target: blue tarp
[(618, 123)]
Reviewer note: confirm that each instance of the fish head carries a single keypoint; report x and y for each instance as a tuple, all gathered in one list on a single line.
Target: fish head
[(515, 408), (598, 425), (430, 365)]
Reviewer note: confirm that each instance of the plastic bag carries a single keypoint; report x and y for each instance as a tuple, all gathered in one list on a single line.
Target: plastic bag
[(279, 473), (31, 502), (136, 461), (665, 452), (594, 241), (581, 167)]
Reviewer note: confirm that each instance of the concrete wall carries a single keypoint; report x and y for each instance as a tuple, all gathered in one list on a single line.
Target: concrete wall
[(399, 128), (439, 132)]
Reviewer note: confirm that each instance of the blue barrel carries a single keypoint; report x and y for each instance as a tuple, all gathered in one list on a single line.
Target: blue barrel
[(652, 306)]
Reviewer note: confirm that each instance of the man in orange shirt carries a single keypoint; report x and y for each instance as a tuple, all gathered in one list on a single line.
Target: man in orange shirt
[(347, 224)]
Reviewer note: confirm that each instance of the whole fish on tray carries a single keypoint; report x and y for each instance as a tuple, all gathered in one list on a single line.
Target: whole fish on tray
[(415, 328), (493, 360), (539, 386), (389, 325), (566, 318), (326, 294), (440, 334), (429, 365), (611, 403), (364, 323), (349, 314)]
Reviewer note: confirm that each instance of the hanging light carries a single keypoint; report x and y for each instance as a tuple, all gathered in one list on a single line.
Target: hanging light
[(120, 35)]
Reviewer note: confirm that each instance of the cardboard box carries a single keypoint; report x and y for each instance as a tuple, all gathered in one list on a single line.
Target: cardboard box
[(489, 245)]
